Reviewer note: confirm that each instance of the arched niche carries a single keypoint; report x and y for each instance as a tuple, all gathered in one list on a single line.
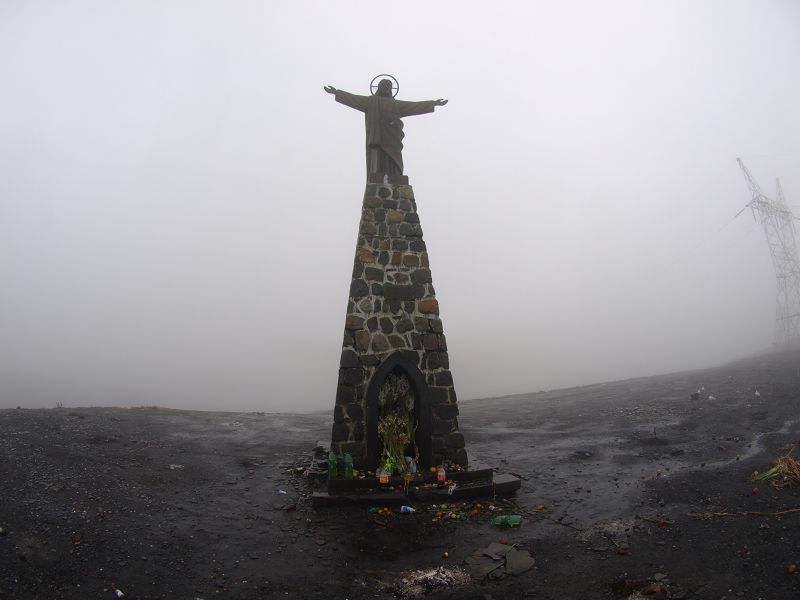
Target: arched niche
[(398, 364)]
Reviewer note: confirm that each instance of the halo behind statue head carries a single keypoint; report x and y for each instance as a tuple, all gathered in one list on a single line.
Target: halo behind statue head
[(373, 87)]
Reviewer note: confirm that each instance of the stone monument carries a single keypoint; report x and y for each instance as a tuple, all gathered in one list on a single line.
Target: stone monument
[(393, 329)]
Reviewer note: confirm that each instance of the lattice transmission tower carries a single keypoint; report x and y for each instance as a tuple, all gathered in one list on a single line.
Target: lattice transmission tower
[(779, 227)]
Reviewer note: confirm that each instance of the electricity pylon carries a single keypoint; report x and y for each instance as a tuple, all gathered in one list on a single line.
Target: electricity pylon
[(778, 222)]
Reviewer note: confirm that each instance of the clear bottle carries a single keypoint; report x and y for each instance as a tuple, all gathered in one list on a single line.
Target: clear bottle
[(348, 466), (333, 466)]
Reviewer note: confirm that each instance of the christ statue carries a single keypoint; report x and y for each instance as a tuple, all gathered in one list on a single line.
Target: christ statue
[(382, 114)]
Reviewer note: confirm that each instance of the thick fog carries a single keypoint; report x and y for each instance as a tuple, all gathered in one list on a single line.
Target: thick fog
[(179, 198)]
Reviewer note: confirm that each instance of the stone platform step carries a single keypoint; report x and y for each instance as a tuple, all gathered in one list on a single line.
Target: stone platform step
[(473, 487)]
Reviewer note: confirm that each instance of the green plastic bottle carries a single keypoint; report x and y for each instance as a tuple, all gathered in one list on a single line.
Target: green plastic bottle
[(333, 466), (507, 520), (348, 466)]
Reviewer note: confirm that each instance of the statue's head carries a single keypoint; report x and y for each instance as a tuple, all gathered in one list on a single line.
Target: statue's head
[(385, 88)]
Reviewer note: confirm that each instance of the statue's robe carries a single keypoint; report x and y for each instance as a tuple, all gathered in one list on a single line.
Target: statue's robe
[(384, 128)]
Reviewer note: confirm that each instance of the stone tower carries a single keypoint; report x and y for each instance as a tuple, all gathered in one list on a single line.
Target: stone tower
[(392, 327)]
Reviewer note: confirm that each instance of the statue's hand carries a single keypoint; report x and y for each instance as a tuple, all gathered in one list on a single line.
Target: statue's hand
[(440, 102), (332, 90)]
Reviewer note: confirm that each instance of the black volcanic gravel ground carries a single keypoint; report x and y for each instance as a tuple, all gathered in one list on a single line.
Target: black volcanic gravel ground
[(175, 504)]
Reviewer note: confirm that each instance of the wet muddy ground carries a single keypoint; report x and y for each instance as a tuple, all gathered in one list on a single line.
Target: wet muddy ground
[(633, 477)]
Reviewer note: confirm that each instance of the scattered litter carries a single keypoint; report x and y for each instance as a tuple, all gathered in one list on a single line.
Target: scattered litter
[(118, 593), (498, 560), (421, 583), (507, 520), (783, 471), (175, 467), (282, 491), (407, 509)]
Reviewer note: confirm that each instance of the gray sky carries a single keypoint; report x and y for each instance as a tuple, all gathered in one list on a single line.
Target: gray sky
[(179, 198)]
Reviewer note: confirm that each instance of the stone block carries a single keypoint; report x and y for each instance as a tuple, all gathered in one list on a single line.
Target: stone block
[(340, 433), (412, 217), (392, 230), (416, 341), (372, 324), (393, 216), (365, 256), (368, 360), (437, 458), (403, 292), (397, 258), (373, 274), (420, 276), (376, 289), (355, 449), (384, 192), (437, 395), (442, 342), (443, 378), (421, 323), (387, 325), (423, 260), (353, 376), (409, 306), (365, 306), (406, 192), (338, 414), (401, 278), (430, 341), (444, 359), (436, 325), (411, 260), (438, 444), (363, 339), (380, 343), (355, 412), (347, 340), (411, 356), (454, 440), (358, 270), (385, 244), (446, 411), (429, 306), (404, 325), (383, 258), (349, 359), (432, 361), (405, 205), (398, 244), (461, 457), (429, 290), (389, 203), (372, 202), (367, 228), (358, 431), (441, 426), (345, 395), (396, 341), (358, 288)]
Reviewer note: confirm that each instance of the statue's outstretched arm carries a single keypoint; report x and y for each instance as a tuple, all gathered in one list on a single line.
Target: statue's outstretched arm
[(348, 99)]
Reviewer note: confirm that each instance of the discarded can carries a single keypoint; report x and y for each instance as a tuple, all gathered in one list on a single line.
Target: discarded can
[(348, 466), (507, 520), (407, 509), (333, 466)]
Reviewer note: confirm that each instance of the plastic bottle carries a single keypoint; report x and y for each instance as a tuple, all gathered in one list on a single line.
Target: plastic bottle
[(441, 476), (348, 466), (507, 520), (333, 466), (383, 476)]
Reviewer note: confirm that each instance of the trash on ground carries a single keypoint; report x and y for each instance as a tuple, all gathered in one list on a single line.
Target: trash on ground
[(498, 560), (507, 520), (175, 467), (783, 471), (421, 583)]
